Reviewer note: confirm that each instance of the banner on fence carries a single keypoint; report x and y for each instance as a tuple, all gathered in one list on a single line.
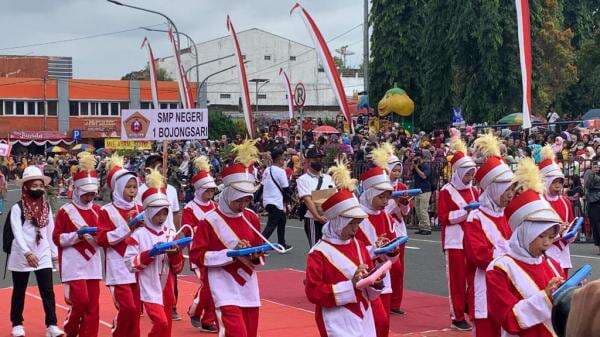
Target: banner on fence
[(164, 124)]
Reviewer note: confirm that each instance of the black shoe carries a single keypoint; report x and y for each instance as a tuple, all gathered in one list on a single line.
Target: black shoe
[(210, 328), (419, 231), (196, 323), (175, 316), (287, 248), (461, 326), (425, 232), (398, 311)]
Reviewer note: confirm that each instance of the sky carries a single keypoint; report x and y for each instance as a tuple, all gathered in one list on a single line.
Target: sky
[(34, 23)]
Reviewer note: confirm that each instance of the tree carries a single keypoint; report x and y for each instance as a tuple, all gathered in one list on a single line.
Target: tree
[(219, 124), (144, 75)]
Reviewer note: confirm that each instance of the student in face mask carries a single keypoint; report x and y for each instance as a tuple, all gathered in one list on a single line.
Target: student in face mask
[(32, 250)]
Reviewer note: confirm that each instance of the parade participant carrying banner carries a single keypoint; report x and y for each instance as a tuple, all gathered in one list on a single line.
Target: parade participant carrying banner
[(202, 309), (337, 263), (328, 63), (553, 193), (486, 231), (155, 273), (521, 281), (116, 225), (379, 229), (288, 90), (241, 66), (79, 254), (454, 197)]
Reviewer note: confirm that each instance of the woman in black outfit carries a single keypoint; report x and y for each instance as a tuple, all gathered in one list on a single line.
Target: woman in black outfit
[(592, 188)]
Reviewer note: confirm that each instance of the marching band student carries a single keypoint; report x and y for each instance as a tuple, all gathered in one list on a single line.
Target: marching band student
[(202, 310), (378, 229), (486, 231), (155, 278), (398, 208), (79, 256), (454, 196), (113, 233), (520, 283), (553, 189), (337, 262), (233, 282)]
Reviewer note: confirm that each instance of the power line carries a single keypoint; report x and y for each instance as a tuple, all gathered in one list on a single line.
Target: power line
[(93, 36)]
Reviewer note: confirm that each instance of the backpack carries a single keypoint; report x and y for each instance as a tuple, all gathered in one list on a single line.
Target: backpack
[(7, 233)]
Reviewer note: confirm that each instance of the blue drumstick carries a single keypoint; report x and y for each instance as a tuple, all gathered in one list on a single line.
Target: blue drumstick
[(391, 246), (406, 193), (161, 248), (249, 250)]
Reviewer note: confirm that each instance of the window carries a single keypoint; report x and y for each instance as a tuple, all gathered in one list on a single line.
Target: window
[(267, 57), (321, 69), (104, 109), (31, 108), (262, 96), (292, 58), (73, 108), (124, 105), (84, 108), (114, 109), (9, 108), (52, 108), (93, 109), (225, 96), (41, 108), (1, 108), (164, 105), (20, 108), (145, 105)]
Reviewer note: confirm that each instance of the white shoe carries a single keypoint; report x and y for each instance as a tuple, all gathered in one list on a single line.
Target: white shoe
[(18, 331), (54, 331)]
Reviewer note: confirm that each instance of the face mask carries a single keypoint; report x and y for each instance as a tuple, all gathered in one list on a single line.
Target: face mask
[(317, 166), (37, 193)]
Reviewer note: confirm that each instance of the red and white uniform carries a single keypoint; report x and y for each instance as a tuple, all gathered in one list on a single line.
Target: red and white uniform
[(452, 217), (121, 281), (203, 305), (80, 268)]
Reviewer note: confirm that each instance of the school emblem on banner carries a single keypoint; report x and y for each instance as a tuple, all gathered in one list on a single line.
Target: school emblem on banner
[(136, 126)]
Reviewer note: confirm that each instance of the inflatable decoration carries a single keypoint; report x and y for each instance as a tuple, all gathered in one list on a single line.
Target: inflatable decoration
[(396, 100)]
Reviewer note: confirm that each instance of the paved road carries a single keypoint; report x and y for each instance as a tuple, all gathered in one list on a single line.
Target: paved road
[(425, 266)]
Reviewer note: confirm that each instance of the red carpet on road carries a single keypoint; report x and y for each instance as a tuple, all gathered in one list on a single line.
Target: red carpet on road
[(284, 312)]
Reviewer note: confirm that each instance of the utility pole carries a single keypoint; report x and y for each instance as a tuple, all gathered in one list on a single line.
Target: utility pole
[(366, 46)]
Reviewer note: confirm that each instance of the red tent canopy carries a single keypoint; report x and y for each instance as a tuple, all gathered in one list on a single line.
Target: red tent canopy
[(326, 129), (37, 135)]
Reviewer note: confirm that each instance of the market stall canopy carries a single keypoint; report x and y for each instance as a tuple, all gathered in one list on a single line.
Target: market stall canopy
[(39, 138), (56, 149), (517, 119), (325, 129), (591, 114)]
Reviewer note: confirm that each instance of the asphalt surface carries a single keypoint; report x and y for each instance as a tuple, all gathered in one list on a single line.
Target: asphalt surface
[(424, 259)]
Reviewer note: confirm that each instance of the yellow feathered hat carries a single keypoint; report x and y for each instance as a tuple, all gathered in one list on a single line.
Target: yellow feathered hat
[(86, 178), (343, 202)]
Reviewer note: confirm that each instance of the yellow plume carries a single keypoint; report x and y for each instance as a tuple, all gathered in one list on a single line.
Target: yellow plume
[(488, 145), (154, 179), (202, 164), (115, 160), (528, 176), (389, 148), (380, 156), (341, 175), (547, 152), (87, 162), (457, 145), (247, 152)]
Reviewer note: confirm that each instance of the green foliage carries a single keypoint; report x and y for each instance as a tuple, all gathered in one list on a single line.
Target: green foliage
[(219, 124), (144, 75)]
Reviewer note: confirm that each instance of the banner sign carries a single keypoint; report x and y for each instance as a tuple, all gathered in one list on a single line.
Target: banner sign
[(118, 144), (164, 124), (4, 150)]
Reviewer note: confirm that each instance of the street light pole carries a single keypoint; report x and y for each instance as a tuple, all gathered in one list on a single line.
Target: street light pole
[(203, 96)]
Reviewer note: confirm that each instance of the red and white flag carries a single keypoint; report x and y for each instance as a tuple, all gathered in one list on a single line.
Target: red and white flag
[(246, 105), (152, 68), (524, 30), (288, 90), (328, 64), (184, 93)]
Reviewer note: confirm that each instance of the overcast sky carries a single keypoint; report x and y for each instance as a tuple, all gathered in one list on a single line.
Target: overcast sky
[(26, 22)]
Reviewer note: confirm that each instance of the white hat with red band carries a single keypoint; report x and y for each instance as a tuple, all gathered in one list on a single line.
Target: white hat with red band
[(529, 205), (115, 173), (343, 203), (239, 177), (155, 197), (493, 170), (203, 179), (549, 168), (460, 159), (376, 177)]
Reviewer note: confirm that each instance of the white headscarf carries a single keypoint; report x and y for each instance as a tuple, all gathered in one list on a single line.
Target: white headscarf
[(457, 178), (332, 230), (547, 182), (366, 199), (198, 196), (523, 236), (490, 198), (229, 194), (77, 193), (117, 193), (149, 213)]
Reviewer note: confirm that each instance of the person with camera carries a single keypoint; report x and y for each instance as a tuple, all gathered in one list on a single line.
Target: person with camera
[(312, 180), (275, 197), (422, 180)]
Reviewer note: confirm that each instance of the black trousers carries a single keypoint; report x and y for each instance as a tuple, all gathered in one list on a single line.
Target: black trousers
[(276, 219), (313, 230), (17, 302), (594, 214)]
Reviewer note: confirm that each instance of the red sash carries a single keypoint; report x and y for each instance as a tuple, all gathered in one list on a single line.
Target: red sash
[(84, 247)]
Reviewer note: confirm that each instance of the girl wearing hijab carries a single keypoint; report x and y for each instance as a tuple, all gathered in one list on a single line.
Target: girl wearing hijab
[(553, 193), (114, 230), (202, 310), (155, 279), (454, 196), (337, 262), (32, 250), (79, 255), (521, 281), (378, 229), (233, 282), (486, 231)]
